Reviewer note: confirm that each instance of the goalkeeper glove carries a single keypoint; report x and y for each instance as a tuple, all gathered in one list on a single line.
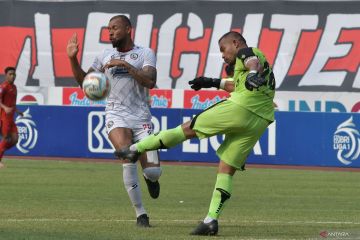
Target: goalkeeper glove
[(254, 80), (204, 82)]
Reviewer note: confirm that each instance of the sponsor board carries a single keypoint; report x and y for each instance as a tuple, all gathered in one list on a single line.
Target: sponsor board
[(203, 99), (30, 99), (161, 98), (317, 101), (347, 141), (76, 97), (28, 133), (310, 50), (295, 138), (189, 99)]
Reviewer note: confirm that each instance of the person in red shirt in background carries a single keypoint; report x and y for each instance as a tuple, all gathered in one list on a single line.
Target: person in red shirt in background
[(8, 93)]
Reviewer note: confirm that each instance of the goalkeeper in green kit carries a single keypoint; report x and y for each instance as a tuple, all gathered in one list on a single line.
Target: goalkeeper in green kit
[(243, 118)]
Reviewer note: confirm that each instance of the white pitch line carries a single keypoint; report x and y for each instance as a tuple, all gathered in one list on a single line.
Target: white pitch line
[(170, 220)]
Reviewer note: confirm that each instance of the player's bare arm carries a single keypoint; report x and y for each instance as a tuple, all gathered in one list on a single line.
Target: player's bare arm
[(229, 86), (253, 64), (146, 76), (254, 79), (72, 50), (6, 108)]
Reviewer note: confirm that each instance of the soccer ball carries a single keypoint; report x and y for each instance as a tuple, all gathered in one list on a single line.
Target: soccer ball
[(96, 86)]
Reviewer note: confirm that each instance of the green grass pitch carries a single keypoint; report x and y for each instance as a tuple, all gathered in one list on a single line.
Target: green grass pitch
[(42, 199)]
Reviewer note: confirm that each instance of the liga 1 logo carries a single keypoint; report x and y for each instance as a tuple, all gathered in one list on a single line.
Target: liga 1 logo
[(28, 133), (347, 142)]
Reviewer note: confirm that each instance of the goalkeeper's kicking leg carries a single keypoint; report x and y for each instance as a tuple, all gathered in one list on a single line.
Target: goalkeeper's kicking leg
[(242, 129)]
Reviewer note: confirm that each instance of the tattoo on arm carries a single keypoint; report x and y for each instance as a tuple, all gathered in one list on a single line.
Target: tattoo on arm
[(145, 77)]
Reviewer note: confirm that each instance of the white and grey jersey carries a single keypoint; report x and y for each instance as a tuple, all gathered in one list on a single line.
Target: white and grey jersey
[(127, 96)]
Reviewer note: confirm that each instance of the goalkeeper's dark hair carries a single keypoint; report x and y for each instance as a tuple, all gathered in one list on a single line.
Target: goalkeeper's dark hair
[(124, 18), (234, 35)]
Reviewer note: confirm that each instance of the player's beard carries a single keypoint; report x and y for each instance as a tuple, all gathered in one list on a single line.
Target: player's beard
[(118, 43)]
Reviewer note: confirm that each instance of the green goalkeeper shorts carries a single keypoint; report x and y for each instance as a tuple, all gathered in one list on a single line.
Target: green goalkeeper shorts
[(242, 129)]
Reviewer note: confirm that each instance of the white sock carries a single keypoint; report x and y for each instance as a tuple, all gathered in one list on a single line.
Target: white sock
[(152, 173), (133, 147), (132, 186), (208, 219)]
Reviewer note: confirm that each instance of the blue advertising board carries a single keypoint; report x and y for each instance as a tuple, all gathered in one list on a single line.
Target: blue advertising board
[(295, 138)]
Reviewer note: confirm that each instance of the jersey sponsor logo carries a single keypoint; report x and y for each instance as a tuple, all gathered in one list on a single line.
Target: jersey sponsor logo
[(346, 141), (28, 134), (118, 71)]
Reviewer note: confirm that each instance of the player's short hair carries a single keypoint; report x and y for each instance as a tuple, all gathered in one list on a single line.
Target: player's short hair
[(7, 69), (124, 18), (234, 35)]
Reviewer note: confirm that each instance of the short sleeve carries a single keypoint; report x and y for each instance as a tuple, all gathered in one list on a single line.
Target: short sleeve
[(149, 58), (245, 53), (97, 64)]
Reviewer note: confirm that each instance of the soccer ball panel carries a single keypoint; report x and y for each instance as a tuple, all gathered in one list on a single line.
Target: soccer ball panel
[(96, 86)]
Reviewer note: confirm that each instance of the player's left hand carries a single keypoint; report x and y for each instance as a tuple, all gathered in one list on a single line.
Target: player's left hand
[(72, 47), (254, 80), (116, 63)]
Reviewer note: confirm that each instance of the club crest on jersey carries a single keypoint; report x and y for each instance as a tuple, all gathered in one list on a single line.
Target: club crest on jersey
[(110, 124), (134, 56)]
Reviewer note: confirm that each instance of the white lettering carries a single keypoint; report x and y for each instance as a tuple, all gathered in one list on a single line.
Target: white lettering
[(143, 30), (44, 71), (187, 146), (330, 48), (356, 83), (189, 62), (24, 65), (292, 26), (92, 47), (157, 126), (221, 26), (165, 49), (257, 148), (252, 29), (272, 139), (99, 132)]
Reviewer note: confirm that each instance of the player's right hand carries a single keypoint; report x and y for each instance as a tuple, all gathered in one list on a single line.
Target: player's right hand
[(7, 109), (204, 82), (195, 84), (72, 47)]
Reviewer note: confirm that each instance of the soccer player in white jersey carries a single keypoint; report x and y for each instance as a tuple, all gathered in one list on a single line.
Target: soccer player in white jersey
[(132, 72)]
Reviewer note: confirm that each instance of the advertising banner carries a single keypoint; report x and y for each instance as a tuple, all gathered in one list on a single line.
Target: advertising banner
[(313, 47), (295, 138)]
